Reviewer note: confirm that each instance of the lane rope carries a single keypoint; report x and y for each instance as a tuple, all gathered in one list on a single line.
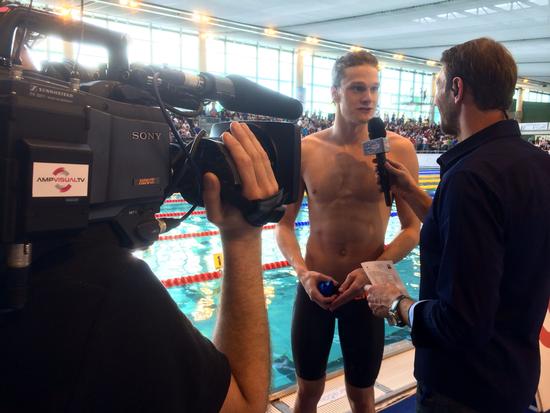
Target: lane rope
[(215, 232), (207, 276)]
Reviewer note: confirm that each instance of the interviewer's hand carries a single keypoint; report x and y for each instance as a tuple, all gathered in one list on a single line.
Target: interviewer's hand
[(381, 297), (258, 182), (400, 178), (350, 288), (310, 281)]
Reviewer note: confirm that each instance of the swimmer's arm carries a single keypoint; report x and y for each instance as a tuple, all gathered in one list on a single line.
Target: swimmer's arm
[(289, 246), (285, 234), (408, 238)]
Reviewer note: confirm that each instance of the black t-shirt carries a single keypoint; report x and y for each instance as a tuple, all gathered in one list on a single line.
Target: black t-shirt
[(100, 333)]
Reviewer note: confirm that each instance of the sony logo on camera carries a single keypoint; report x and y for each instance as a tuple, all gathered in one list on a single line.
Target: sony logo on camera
[(145, 136)]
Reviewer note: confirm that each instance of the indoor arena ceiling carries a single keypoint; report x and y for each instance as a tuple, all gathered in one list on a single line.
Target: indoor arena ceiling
[(416, 28)]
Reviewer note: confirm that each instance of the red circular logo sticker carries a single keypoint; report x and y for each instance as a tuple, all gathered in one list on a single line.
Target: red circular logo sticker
[(62, 172)]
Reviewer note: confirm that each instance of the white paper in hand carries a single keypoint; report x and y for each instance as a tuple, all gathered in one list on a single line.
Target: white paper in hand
[(383, 272)]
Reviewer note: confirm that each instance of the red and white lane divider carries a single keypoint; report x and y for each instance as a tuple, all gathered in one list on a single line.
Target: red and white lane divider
[(207, 276), (178, 214), (198, 234), (215, 232), (175, 201)]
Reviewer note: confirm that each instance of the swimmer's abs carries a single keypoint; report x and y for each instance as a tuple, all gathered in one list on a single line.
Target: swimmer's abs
[(337, 260), (348, 226), (347, 240)]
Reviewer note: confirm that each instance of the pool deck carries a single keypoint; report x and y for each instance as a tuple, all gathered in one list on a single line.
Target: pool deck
[(395, 382)]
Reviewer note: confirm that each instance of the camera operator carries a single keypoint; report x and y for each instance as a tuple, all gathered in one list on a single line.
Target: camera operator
[(100, 333)]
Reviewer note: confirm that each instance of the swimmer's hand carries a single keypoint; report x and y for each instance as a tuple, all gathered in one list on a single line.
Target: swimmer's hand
[(401, 179), (351, 287), (310, 281)]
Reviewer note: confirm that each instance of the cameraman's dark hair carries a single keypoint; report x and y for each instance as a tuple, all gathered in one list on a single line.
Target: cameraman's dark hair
[(350, 59), (487, 69)]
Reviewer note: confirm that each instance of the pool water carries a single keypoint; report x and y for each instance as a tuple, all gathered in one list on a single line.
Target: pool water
[(198, 301)]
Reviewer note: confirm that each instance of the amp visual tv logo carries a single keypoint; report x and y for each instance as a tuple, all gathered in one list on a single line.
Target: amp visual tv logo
[(59, 180)]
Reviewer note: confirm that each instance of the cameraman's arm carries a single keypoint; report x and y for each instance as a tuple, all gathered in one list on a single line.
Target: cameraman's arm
[(241, 330)]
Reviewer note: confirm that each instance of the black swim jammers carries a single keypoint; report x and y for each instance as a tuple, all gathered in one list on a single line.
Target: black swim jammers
[(361, 337)]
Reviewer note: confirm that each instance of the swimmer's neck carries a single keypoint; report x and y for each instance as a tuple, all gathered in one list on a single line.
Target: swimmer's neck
[(344, 132)]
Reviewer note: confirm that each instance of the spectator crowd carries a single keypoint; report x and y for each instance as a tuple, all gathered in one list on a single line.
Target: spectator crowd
[(543, 144), (424, 135)]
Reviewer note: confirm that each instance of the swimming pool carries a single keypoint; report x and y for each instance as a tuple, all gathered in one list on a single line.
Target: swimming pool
[(198, 300)]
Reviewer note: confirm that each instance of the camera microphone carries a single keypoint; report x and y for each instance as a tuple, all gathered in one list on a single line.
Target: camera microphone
[(233, 92), (253, 98), (378, 145)]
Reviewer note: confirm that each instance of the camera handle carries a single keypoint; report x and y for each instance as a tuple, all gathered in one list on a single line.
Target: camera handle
[(13, 294), (257, 212), (69, 30)]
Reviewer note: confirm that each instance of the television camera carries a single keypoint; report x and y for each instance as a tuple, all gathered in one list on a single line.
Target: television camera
[(79, 151)]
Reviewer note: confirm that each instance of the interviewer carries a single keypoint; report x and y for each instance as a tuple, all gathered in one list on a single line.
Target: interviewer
[(484, 247)]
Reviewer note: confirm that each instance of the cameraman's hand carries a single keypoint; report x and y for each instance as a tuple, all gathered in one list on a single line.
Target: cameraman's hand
[(258, 182), (400, 178), (310, 281)]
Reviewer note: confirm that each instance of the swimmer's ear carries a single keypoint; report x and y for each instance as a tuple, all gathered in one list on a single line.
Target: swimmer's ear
[(335, 93)]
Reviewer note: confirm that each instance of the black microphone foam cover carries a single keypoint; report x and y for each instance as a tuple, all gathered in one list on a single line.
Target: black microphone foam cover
[(377, 129), (253, 98)]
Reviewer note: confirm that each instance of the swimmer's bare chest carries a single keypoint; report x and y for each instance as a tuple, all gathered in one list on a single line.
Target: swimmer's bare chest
[(341, 176), (348, 216)]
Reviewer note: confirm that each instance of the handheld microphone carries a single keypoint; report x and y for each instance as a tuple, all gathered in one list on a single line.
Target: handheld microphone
[(378, 145), (233, 92)]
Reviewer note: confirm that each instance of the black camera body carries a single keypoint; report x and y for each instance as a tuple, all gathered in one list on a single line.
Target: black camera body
[(69, 158), (73, 154), (212, 156)]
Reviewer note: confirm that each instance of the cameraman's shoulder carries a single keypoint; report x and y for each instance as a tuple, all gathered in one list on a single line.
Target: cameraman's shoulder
[(134, 278), (108, 260), (132, 266)]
